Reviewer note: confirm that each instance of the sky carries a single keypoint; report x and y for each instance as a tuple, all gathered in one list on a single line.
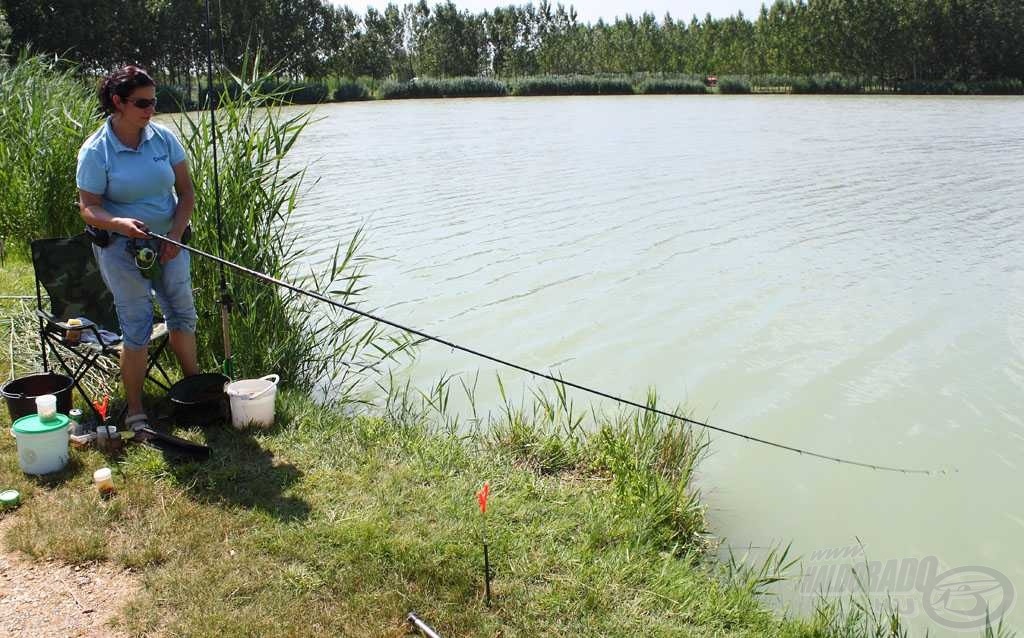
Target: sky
[(591, 10)]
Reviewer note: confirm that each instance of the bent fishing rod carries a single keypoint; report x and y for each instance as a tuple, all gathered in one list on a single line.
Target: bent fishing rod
[(536, 373)]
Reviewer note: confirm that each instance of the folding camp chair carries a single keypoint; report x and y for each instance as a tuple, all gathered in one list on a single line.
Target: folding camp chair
[(67, 269)]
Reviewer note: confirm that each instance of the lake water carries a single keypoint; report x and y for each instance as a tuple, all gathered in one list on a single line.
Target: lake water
[(838, 274)]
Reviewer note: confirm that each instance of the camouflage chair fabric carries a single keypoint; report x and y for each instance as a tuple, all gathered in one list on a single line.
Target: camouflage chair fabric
[(67, 269)]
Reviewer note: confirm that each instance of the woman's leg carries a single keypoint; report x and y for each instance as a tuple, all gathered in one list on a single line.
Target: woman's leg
[(134, 303), (174, 291), (133, 374), (183, 344)]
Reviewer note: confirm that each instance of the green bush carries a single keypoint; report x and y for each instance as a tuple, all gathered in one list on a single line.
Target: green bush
[(672, 87), (733, 85), (773, 81), (172, 99), (440, 88), (572, 85), (950, 87), (350, 90), (803, 85), (305, 92), (996, 87)]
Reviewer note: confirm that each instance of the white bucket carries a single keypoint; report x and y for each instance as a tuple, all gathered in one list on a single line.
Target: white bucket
[(252, 401), (41, 452)]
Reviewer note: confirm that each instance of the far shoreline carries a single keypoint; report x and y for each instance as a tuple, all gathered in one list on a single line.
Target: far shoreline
[(333, 90)]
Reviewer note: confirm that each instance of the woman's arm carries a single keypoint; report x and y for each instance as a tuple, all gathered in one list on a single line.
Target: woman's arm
[(91, 208), (182, 212)]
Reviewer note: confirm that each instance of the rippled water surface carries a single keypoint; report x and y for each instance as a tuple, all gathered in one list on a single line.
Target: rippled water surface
[(839, 274)]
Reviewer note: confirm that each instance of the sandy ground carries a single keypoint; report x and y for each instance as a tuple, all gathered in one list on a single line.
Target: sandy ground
[(51, 599)]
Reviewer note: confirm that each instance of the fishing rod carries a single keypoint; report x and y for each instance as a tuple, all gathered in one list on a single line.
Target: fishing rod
[(419, 333), (225, 297)]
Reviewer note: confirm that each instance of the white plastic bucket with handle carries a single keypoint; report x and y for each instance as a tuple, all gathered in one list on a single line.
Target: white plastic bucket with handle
[(252, 401)]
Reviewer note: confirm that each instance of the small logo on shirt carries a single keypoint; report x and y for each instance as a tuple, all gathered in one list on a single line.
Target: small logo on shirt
[(160, 158)]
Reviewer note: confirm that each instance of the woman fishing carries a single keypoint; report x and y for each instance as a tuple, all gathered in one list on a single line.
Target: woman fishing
[(133, 179)]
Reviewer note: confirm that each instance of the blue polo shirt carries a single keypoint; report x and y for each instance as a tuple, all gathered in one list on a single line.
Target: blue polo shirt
[(136, 183)]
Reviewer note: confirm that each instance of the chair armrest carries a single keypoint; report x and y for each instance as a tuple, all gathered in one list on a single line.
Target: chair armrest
[(50, 320), (54, 326)]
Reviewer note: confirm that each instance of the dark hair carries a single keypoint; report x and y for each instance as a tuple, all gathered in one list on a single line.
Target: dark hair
[(122, 82)]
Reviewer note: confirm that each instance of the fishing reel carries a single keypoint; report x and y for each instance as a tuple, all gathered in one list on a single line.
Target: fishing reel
[(145, 259)]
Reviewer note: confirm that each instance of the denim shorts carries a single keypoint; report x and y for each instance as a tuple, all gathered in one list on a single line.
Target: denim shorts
[(133, 293)]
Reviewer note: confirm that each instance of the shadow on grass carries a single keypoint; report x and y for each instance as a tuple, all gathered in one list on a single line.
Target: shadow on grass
[(241, 472), (72, 469)]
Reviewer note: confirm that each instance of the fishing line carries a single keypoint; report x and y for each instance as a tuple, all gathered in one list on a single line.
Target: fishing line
[(542, 375)]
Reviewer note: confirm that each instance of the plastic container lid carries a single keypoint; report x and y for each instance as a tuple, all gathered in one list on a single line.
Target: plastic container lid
[(102, 474), (32, 424), (9, 498)]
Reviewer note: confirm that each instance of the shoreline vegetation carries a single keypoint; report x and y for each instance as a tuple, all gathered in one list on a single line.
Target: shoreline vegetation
[(354, 509), (173, 99)]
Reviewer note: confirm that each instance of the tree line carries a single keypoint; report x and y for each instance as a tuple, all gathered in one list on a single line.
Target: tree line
[(963, 40)]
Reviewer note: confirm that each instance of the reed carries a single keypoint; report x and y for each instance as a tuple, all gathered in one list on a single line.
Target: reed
[(46, 113), (309, 344)]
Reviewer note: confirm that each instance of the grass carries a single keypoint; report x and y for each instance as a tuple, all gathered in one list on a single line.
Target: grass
[(330, 525), (19, 340)]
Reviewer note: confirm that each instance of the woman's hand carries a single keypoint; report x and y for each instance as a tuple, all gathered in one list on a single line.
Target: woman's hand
[(169, 251), (131, 228)]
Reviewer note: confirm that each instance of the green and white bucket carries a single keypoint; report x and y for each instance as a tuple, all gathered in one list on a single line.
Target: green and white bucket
[(42, 443)]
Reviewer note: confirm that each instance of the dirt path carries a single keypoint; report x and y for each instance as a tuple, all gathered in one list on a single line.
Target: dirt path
[(51, 599)]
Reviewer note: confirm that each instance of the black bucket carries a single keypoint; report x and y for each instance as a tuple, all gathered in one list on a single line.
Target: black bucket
[(21, 394), (199, 399)]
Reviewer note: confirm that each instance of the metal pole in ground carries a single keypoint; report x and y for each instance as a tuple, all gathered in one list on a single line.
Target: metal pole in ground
[(421, 626)]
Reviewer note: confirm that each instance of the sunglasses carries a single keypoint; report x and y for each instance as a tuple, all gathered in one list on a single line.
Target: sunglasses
[(142, 102)]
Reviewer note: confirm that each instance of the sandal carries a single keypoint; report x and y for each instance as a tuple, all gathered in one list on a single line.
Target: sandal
[(136, 422)]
